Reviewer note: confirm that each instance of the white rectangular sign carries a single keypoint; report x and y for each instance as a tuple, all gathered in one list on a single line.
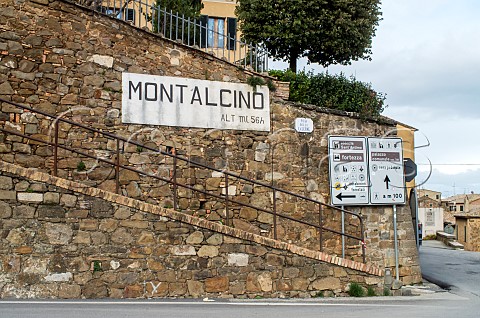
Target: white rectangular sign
[(184, 102), (386, 171), (348, 170)]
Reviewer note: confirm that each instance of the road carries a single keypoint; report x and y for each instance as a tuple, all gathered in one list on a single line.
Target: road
[(427, 306), (455, 270)]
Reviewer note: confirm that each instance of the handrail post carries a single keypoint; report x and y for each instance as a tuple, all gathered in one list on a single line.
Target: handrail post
[(274, 215), (226, 201), (55, 150), (320, 222), (363, 239), (117, 169), (175, 186)]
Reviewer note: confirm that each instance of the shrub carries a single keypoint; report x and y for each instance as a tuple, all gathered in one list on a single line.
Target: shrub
[(356, 290), (333, 91), (371, 292), (386, 292), (81, 166)]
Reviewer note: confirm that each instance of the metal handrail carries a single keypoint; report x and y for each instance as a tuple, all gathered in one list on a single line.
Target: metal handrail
[(320, 227), (186, 30)]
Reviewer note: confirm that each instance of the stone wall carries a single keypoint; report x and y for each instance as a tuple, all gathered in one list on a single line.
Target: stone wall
[(56, 243), (61, 59)]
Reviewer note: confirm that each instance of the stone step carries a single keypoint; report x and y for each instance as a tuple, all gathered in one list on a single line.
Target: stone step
[(456, 245), (170, 213)]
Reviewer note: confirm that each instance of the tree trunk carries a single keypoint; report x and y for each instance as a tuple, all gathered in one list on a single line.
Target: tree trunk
[(293, 61)]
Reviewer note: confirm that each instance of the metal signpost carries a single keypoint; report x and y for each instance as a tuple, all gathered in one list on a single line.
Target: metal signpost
[(367, 170)]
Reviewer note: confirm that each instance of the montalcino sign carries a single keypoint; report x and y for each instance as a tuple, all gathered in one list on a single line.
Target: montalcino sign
[(184, 102)]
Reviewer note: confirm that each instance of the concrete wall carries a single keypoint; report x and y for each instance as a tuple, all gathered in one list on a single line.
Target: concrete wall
[(60, 59)]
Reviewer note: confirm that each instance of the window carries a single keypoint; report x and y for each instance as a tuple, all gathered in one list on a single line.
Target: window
[(216, 32), (437, 196), (453, 208), (465, 233), (461, 208), (129, 16), (429, 218)]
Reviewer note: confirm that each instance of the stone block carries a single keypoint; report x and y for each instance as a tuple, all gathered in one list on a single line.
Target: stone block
[(275, 260), (59, 277), (8, 195), (30, 197), (184, 250), (133, 291), (51, 198), (156, 289), (265, 281), (195, 238), (238, 259), (58, 234), (50, 211), (6, 183), (215, 239), (208, 251), (248, 214), (195, 288), (68, 200), (24, 212), (328, 283), (216, 284), (69, 291), (5, 210)]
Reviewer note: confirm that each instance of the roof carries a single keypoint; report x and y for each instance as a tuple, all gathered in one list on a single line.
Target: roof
[(460, 198), (401, 124)]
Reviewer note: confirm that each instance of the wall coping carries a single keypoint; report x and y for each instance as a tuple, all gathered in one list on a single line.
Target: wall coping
[(35, 175)]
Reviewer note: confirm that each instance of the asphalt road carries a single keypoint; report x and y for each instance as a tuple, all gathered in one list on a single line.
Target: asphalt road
[(427, 306), (455, 270)]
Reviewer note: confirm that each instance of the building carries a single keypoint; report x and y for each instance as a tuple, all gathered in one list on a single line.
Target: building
[(430, 212), (460, 203), (468, 230), (215, 31)]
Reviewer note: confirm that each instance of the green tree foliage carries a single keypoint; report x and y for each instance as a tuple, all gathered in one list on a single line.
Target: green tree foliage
[(325, 31), (186, 8), (333, 91)]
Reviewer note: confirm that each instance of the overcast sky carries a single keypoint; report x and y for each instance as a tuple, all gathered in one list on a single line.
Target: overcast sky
[(426, 58)]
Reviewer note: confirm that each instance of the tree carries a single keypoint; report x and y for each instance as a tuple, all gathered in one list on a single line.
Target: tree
[(325, 31), (188, 9)]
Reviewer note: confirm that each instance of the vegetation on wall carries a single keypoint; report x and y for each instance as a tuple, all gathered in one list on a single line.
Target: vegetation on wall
[(333, 91)]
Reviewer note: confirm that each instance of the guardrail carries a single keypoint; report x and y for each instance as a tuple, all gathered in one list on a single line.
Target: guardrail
[(120, 143), (211, 36)]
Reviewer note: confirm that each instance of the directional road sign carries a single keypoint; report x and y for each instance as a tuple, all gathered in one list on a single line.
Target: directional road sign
[(348, 170), (387, 182)]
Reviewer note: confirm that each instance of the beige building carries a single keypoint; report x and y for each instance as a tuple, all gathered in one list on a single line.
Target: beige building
[(468, 230), (218, 34), (430, 214)]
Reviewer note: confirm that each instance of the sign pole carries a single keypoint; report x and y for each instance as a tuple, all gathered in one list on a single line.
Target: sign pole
[(395, 241), (343, 232)]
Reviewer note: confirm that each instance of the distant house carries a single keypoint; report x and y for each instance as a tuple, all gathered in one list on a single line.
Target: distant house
[(430, 212), (460, 203), (468, 230)]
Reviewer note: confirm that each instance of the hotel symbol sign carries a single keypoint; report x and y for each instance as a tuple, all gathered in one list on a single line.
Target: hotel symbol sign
[(348, 170)]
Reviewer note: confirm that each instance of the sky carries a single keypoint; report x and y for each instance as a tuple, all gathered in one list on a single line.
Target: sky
[(426, 59)]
